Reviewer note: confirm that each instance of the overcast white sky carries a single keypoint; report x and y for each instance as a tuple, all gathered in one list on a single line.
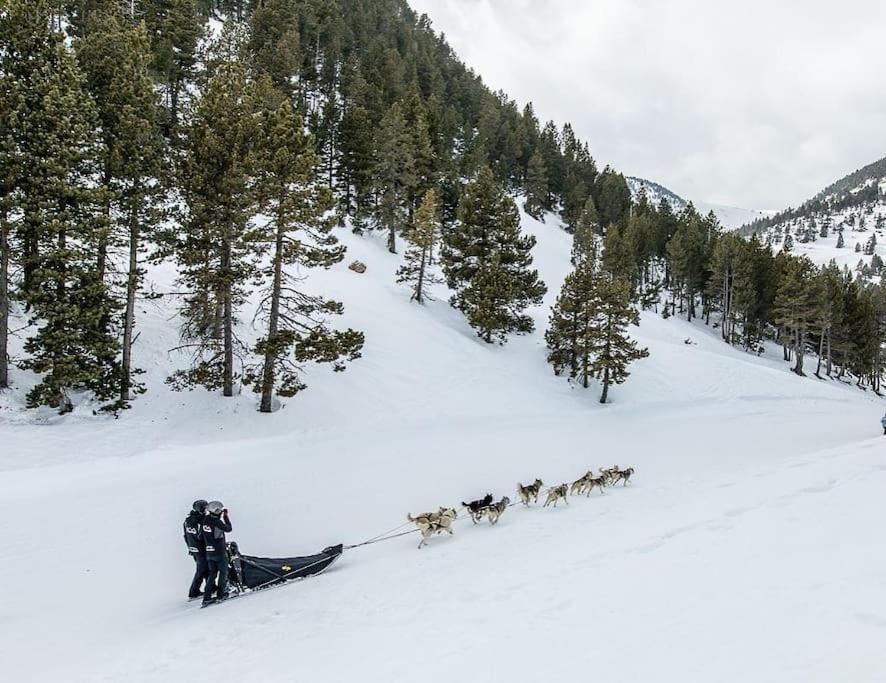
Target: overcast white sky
[(757, 104)]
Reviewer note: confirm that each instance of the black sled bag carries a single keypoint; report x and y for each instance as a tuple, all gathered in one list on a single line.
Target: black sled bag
[(252, 572)]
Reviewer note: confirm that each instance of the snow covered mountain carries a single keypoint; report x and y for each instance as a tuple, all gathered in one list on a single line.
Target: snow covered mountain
[(711, 563), (845, 222), (730, 217)]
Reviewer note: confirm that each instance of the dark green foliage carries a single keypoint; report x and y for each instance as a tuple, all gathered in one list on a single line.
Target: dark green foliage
[(395, 174), (174, 29), (584, 237), (115, 56), (213, 255), (796, 305), (416, 269), (486, 261), (569, 335), (298, 234), (612, 197), (55, 189), (587, 335), (613, 349), (537, 193)]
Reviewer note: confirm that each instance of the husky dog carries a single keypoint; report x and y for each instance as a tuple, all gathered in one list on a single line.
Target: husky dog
[(555, 493), (430, 523), (530, 492), (496, 510), (609, 473), (475, 507), (595, 481), (579, 485), (624, 476)]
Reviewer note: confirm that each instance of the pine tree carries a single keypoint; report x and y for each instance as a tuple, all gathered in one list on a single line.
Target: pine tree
[(395, 174), (574, 201), (61, 217), (11, 96), (570, 333), (584, 238), (618, 254), (115, 57), (175, 28), (612, 348), (416, 269), (537, 201), (487, 244), (213, 255), (722, 284), (797, 304), (687, 252), (840, 242), (298, 233), (275, 43), (612, 197)]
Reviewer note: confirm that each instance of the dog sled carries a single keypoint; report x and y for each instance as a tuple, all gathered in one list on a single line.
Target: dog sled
[(250, 573)]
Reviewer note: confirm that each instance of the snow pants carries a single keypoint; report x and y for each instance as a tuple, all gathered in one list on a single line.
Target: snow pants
[(201, 571), (217, 581)]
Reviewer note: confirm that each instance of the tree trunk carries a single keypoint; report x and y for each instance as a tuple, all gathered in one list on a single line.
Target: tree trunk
[(830, 363), (418, 295), (4, 300), (61, 401), (218, 316), (267, 380), (605, 393), (228, 322), (129, 315), (798, 368), (392, 239), (820, 354)]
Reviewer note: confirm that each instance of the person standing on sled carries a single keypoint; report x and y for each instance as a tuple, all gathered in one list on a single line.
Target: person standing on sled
[(193, 528), (215, 525)]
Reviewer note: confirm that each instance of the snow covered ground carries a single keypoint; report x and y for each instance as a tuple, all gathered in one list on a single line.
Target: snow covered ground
[(746, 547)]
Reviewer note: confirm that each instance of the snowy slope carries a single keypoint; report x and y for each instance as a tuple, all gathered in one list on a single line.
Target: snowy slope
[(742, 550), (857, 223), (730, 217)]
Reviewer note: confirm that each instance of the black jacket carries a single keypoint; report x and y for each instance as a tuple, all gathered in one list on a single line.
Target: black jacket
[(194, 534), (214, 529)]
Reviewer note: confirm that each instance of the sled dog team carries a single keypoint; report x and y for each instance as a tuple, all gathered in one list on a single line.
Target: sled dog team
[(432, 523)]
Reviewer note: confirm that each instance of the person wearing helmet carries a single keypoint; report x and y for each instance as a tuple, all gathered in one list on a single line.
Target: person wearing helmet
[(196, 546), (215, 525)]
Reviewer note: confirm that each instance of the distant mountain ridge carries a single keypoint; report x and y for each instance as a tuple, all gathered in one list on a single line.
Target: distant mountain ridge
[(857, 190), (730, 217)]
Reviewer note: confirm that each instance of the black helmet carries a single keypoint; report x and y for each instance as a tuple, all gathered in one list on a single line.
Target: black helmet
[(215, 507), (200, 506)]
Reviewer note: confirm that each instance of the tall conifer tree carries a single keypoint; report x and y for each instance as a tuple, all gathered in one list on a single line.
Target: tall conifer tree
[(297, 234), (416, 270), (61, 218), (115, 56)]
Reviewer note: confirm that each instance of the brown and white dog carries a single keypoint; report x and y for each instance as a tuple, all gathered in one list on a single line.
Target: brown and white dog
[(609, 473), (527, 493), (579, 485), (430, 523), (595, 481), (556, 493), (623, 476), (494, 512)]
